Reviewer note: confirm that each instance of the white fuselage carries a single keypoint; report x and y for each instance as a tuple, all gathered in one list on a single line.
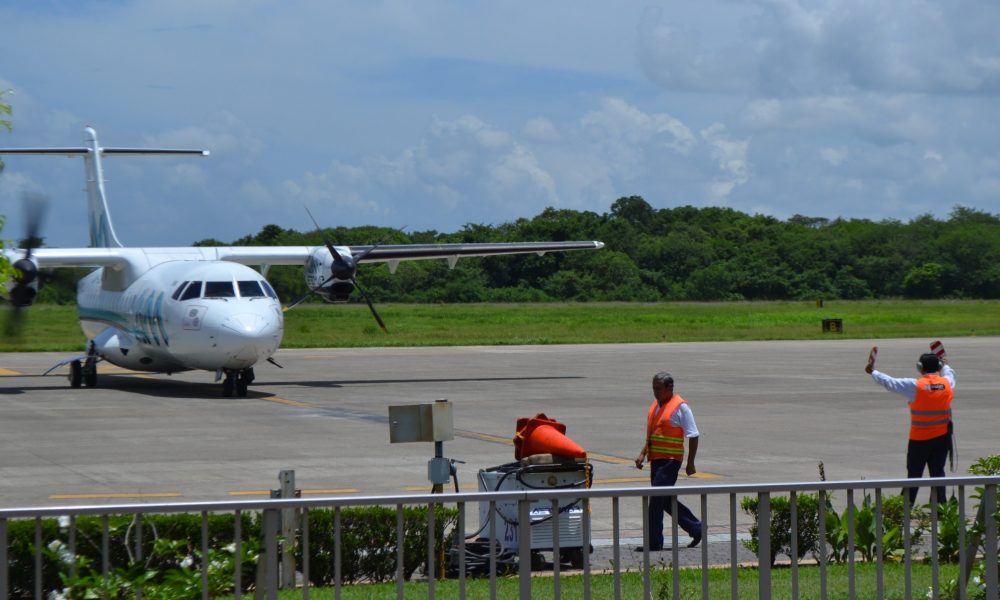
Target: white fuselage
[(167, 313)]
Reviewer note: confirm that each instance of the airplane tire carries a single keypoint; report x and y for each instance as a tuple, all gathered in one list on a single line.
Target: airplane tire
[(227, 386), (90, 373), (241, 387), (75, 374)]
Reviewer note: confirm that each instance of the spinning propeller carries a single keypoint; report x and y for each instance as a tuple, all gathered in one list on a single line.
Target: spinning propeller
[(344, 268), (23, 293)]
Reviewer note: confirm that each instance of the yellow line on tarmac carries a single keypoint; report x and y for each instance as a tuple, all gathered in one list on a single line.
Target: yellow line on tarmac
[(621, 480), (475, 435), (114, 495), (304, 492), (8, 372), (288, 402), (448, 488), (617, 460)]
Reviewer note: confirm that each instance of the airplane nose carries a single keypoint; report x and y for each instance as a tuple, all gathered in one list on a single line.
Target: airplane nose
[(247, 325), (249, 337)]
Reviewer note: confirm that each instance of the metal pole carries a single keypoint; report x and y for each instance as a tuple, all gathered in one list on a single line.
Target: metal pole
[(764, 545), (399, 551), (4, 581), (524, 547), (272, 521), (286, 478)]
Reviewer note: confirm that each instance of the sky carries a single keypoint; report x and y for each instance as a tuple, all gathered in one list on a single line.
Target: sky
[(432, 115)]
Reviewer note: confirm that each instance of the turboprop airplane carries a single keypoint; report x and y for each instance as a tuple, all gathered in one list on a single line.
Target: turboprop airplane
[(167, 310)]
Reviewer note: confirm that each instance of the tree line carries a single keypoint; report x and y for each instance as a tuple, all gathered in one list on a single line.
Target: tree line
[(679, 253)]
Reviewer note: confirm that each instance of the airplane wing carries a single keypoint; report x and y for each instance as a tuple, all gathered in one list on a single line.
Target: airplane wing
[(47, 258), (390, 253), (400, 252), (50, 258)]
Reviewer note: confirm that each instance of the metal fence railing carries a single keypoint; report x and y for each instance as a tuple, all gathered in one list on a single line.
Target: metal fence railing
[(977, 536)]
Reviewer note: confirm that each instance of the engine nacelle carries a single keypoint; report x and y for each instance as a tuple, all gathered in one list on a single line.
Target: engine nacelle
[(24, 288), (328, 277)]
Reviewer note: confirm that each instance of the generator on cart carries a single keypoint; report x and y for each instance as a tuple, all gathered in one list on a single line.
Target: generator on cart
[(545, 460)]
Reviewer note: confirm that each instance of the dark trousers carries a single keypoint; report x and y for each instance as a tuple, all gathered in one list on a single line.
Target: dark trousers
[(932, 453), (663, 473)]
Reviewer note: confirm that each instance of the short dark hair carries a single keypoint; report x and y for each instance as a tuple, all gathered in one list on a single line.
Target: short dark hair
[(664, 378), (929, 363)]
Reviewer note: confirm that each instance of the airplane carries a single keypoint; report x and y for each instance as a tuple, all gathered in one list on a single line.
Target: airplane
[(173, 309)]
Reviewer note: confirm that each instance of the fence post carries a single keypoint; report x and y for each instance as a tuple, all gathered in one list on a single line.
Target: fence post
[(4, 582), (989, 500), (267, 563), (289, 527), (524, 547), (764, 545)]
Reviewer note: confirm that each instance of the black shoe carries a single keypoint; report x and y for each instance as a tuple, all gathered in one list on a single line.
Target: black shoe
[(652, 549), (695, 540)]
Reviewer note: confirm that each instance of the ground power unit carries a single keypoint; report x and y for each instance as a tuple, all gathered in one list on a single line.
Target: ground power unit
[(548, 475)]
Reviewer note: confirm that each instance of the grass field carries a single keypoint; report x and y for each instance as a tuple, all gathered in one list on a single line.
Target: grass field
[(602, 586), (49, 327)]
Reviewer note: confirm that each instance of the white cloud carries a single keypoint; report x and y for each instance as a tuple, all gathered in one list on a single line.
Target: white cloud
[(384, 112), (834, 156)]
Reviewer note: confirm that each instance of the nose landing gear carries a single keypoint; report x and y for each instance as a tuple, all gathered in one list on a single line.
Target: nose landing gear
[(238, 380), (84, 373)]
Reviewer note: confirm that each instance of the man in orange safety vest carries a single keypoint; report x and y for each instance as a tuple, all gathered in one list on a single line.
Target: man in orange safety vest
[(930, 416), (668, 422)]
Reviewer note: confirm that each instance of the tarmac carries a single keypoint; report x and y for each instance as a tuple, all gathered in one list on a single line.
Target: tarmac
[(767, 412)]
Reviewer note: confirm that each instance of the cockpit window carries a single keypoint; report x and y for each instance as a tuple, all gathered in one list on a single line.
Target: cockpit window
[(268, 290), (177, 292), (219, 289), (250, 289), (192, 291)]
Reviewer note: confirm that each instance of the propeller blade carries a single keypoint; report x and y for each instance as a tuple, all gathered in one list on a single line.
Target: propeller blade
[(22, 293), (35, 207), (371, 306), (297, 301), (361, 256), (336, 255), (302, 298)]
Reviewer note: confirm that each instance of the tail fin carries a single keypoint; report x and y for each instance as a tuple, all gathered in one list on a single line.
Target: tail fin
[(102, 233)]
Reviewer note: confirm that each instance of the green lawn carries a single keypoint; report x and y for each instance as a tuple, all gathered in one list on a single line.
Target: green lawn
[(49, 327), (602, 586)]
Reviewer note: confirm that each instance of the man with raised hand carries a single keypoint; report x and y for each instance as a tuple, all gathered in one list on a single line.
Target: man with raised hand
[(929, 398)]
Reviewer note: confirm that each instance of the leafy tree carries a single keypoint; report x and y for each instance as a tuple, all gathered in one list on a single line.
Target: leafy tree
[(924, 281)]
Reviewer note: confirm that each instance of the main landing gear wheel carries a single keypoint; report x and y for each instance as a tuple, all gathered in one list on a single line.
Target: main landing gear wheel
[(90, 371), (75, 374)]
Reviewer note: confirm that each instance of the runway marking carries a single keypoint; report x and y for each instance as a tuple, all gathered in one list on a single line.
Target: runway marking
[(621, 480), (617, 460), (114, 495), (475, 435), (8, 372), (289, 402), (304, 492), (641, 479), (427, 488)]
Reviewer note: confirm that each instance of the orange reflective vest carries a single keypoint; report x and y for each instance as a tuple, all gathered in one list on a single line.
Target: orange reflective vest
[(931, 410), (663, 440)]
